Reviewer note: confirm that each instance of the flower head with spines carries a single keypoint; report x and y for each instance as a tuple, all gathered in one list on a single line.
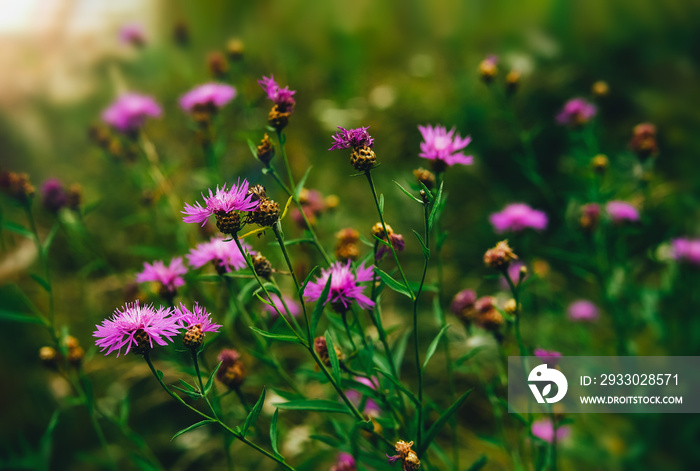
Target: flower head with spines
[(224, 205), (444, 147), (344, 289)]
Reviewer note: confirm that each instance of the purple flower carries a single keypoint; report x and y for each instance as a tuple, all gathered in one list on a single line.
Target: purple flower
[(132, 33), (282, 97), (223, 201), (344, 462), (518, 216), (136, 326), (224, 255), (352, 139), (208, 95), (129, 111), (294, 307), (197, 316), (621, 211), (550, 357), (440, 145), (371, 409), (576, 112), (344, 286), (582, 311), (686, 250), (544, 429), (463, 300), (514, 273), (53, 196), (168, 276), (396, 241)]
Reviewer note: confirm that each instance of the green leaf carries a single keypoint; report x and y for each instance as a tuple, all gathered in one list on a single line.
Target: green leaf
[(320, 304), (42, 282), (333, 357), (17, 229), (254, 413), (289, 242), (300, 185), (315, 405), (328, 440), (440, 422), (210, 382), (478, 464), (382, 241), (187, 385), (124, 410), (273, 433), (307, 280), (192, 427), (426, 250), (160, 374), (10, 316), (393, 284), (191, 394), (437, 208), (407, 193), (401, 387), (428, 192), (472, 353), (399, 349), (434, 344), (253, 149), (381, 204), (49, 239), (280, 337)]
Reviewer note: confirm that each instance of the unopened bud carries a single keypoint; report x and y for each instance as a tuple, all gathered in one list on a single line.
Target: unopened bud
[(235, 49), (500, 256), (600, 88), (511, 306), (600, 163)]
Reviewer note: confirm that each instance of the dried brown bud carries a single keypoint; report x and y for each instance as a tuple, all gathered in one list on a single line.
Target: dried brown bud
[(488, 69), (278, 118), (321, 348), (512, 81), (590, 215), (235, 49), (600, 88), (378, 230), (232, 372), (17, 186), (643, 141), (424, 176), (265, 151), (262, 266), (348, 236), (228, 223), (218, 67), (363, 158), (74, 196), (500, 256), (266, 214), (49, 357)]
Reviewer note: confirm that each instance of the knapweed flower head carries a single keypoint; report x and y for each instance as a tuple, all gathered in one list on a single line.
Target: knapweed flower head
[(53, 196), (686, 250), (352, 139), (344, 462), (443, 147), (396, 240), (224, 255), (488, 68), (210, 96), (516, 217), (321, 349), (550, 357), (196, 323), (133, 34), (344, 289), (544, 430), (224, 205), (404, 453), (294, 307), (282, 97), (128, 112), (16, 185), (500, 256), (643, 141), (621, 211), (582, 310), (137, 327), (576, 112), (463, 301), (371, 408), (232, 372), (590, 215), (485, 314), (169, 276)]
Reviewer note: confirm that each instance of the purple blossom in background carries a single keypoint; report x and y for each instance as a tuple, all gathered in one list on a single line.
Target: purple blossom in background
[(344, 285), (168, 276), (132, 33), (197, 316), (214, 95), (686, 250), (294, 307), (352, 138), (465, 299), (53, 196), (371, 409), (344, 462), (223, 254), (282, 97), (128, 112), (223, 201), (514, 273), (544, 429), (583, 311), (550, 357), (621, 211), (518, 216), (440, 145), (396, 241), (134, 323), (576, 112)]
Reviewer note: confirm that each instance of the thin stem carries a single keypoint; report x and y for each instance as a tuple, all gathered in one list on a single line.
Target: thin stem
[(348, 332), (284, 158), (195, 360)]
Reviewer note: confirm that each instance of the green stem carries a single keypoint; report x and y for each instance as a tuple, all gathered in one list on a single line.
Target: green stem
[(283, 150)]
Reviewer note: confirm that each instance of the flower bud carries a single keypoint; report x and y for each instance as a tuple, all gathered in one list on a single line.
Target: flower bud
[(511, 306), (424, 176), (600, 163), (488, 69), (500, 256), (218, 67), (262, 266), (600, 88), (265, 151), (235, 49)]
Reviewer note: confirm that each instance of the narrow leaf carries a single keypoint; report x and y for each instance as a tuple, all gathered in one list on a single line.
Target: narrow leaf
[(17, 229), (426, 250), (192, 427), (273, 336), (273, 433), (434, 344), (315, 405), (407, 193), (49, 239), (191, 394), (333, 357), (187, 385), (381, 204), (392, 283), (254, 413), (10, 316), (253, 149), (440, 422), (284, 213), (399, 349), (307, 279), (478, 464), (300, 185), (437, 204), (210, 382), (320, 304), (401, 387), (42, 282)]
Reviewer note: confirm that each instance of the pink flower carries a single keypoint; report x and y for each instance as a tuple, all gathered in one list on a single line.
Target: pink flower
[(132, 33), (440, 145), (352, 139), (686, 250), (344, 286), (208, 95), (53, 196), (197, 316), (136, 326), (344, 462), (282, 97), (294, 307), (371, 407), (128, 112), (544, 430), (514, 273), (168, 276), (621, 211), (396, 241), (576, 112), (550, 357), (518, 216), (465, 299), (583, 311), (224, 255), (223, 201)]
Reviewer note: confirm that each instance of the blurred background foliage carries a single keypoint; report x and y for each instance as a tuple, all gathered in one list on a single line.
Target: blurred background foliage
[(390, 65)]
